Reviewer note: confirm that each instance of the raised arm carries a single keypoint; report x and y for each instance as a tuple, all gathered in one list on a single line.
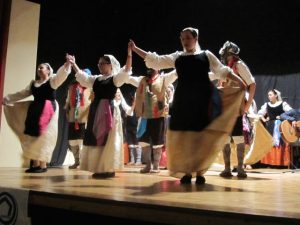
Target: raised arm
[(136, 49), (73, 63), (129, 58), (62, 74), (123, 75), (83, 78)]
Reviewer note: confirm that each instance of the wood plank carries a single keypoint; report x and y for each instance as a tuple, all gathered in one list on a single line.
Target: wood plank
[(267, 195)]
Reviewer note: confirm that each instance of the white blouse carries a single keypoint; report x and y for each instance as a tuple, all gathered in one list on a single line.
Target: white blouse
[(88, 80), (153, 60), (169, 79), (263, 109), (55, 81)]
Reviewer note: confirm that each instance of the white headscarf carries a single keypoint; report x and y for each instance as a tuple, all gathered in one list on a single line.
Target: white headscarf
[(198, 49), (50, 68), (115, 64), (278, 94)]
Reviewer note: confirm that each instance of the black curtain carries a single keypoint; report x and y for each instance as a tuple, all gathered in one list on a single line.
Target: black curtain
[(266, 34)]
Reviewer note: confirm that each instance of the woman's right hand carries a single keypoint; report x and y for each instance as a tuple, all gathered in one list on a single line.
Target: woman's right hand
[(70, 59), (131, 45)]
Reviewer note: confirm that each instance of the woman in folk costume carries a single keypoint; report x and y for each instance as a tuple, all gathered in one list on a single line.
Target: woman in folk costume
[(270, 114), (77, 106), (198, 125), (36, 122), (103, 139)]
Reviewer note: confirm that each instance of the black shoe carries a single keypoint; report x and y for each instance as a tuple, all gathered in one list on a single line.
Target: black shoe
[(226, 174), (40, 170), (186, 179), (200, 180), (37, 169), (103, 175), (31, 169), (234, 170), (146, 169)]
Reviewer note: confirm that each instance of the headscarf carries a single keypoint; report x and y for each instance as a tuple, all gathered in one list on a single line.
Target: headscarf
[(49, 67), (196, 33), (115, 64), (278, 94)]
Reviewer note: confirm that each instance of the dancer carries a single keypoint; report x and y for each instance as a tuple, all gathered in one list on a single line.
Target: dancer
[(36, 122), (102, 151), (151, 104), (77, 106), (198, 127), (130, 128)]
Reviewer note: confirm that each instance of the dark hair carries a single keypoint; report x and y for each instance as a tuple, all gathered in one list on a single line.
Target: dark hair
[(274, 91), (106, 59), (191, 30)]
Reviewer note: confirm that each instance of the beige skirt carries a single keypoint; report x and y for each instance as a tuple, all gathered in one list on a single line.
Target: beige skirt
[(261, 144), (37, 148), (190, 151), (108, 158)]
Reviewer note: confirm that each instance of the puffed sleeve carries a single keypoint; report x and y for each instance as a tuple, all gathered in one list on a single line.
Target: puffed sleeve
[(57, 79), (263, 110), (170, 77), (286, 106), (11, 98), (155, 61), (218, 70), (135, 81), (245, 73), (121, 77), (86, 80), (212, 76)]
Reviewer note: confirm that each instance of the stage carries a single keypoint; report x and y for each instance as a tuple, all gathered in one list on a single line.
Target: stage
[(267, 196)]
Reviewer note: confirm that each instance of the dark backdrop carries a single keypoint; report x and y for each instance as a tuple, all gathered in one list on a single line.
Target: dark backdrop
[(266, 31)]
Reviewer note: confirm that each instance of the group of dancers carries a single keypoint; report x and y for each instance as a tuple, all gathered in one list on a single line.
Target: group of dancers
[(205, 116)]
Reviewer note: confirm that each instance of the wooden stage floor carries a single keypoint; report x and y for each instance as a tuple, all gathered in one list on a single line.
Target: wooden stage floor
[(267, 196)]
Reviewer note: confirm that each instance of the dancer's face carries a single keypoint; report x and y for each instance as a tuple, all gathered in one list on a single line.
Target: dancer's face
[(188, 41), (104, 66), (43, 71), (272, 97)]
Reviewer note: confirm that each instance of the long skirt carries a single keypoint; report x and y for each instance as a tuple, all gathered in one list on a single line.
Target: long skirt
[(278, 156), (261, 144), (107, 158), (36, 148), (192, 151)]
